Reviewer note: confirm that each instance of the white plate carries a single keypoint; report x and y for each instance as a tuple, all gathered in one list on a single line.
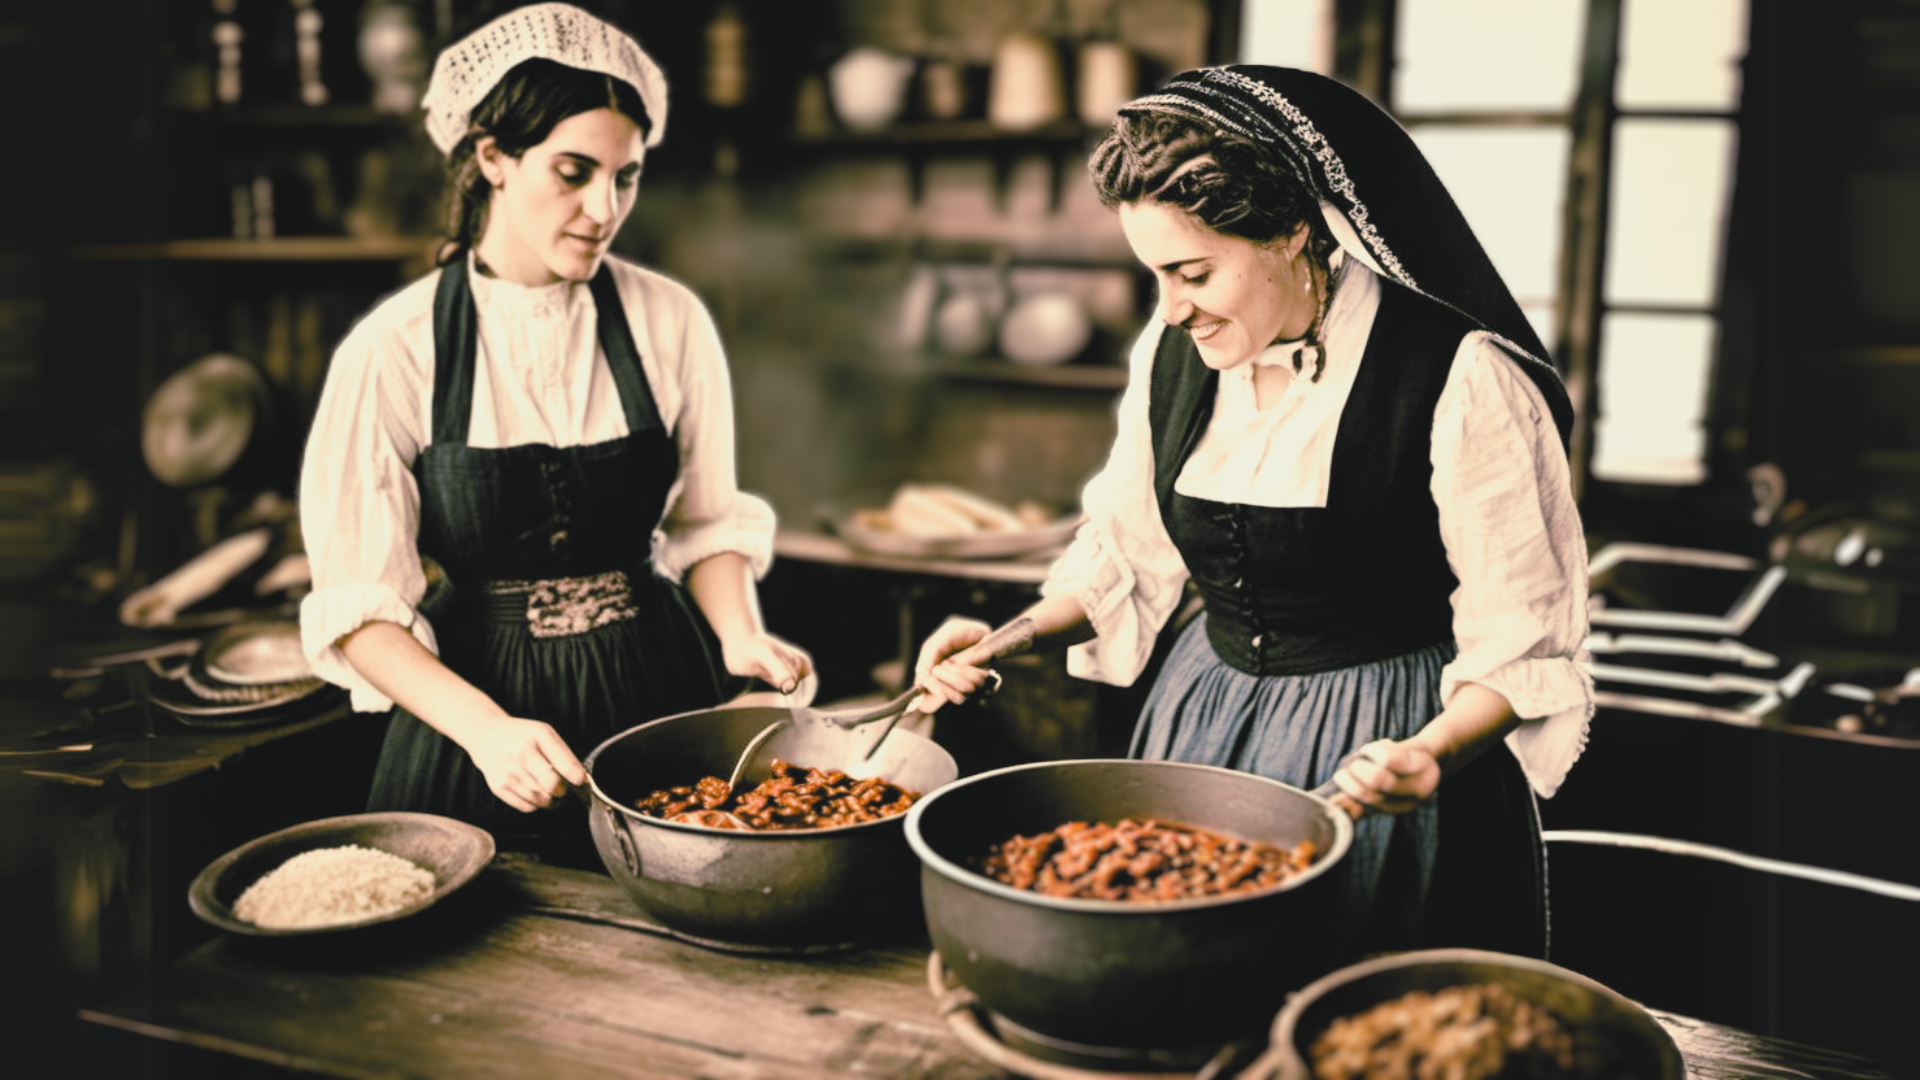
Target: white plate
[(258, 654), (996, 545)]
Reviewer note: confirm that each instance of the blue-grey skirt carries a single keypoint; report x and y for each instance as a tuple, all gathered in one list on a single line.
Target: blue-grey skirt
[(1296, 728)]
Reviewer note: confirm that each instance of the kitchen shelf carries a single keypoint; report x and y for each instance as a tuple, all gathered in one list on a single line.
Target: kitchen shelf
[(960, 250), (278, 249), (1874, 355), (956, 133), (1061, 376), (282, 117), (916, 142)]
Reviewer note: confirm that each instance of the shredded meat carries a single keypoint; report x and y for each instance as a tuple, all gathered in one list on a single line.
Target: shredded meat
[(1141, 861), (1479, 1032), (794, 797)]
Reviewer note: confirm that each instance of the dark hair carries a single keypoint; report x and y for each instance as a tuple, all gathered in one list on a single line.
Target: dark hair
[(1242, 190), (520, 112)]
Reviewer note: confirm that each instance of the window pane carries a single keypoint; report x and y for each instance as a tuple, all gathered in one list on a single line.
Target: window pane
[(1681, 56), (1289, 33), (1542, 316), (1462, 54), (1511, 184), (1667, 221), (1653, 398)]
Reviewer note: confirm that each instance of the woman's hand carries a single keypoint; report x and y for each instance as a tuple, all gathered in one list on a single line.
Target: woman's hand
[(947, 681), (1389, 777), (527, 764), (773, 661)]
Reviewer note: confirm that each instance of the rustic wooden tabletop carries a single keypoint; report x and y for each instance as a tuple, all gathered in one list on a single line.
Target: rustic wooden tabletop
[(539, 971)]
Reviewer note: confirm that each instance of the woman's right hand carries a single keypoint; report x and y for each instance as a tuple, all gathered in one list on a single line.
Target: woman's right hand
[(526, 762), (947, 681)]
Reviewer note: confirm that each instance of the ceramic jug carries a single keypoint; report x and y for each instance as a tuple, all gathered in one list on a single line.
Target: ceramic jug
[(869, 87)]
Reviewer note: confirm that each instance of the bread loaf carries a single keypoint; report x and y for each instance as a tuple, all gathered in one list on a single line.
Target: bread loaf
[(990, 516), (916, 511), (942, 511)]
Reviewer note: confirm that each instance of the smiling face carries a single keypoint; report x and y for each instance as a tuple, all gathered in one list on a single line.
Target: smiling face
[(1233, 295), (556, 208)]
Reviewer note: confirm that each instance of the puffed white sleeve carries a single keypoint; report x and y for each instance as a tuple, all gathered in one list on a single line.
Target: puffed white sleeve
[(1514, 539), (359, 504), (1122, 566), (707, 513)]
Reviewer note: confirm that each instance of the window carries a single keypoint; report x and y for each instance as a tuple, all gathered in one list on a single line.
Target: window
[(1676, 87), (1490, 90)]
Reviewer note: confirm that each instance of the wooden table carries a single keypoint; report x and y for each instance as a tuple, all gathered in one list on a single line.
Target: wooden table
[(535, 971)]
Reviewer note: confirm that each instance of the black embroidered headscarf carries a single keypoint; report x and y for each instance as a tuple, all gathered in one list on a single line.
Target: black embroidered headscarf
[(1380, 198)]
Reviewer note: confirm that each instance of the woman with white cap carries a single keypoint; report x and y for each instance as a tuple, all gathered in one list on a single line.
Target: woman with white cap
[(551, 427), (1343, 433)]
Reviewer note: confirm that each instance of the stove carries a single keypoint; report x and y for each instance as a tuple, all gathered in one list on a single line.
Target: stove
[(1037, 1056)]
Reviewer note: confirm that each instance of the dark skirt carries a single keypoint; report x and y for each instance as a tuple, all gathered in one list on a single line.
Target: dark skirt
[(1466, 868), (590, 686)]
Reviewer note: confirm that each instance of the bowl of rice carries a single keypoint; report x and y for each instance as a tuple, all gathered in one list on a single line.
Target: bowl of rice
[(340, 873)]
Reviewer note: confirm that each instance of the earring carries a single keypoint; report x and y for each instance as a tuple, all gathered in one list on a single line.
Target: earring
[(1312, 349)]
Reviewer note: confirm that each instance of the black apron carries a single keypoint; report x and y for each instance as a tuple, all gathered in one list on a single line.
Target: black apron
[(1296, 591), (553, 607)]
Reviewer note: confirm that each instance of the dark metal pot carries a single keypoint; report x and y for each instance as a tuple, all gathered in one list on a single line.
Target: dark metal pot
[(799, 888), (1118, 974), (1628, 1043)]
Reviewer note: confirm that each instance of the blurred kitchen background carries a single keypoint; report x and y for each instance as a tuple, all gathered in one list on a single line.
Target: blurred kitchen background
[(1708, 209)]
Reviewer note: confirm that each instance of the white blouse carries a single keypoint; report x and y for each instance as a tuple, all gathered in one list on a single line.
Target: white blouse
[(1500, 480), (540, 377)]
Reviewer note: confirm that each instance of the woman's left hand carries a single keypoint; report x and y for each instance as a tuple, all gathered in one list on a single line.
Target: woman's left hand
[(780, 664), (1389, 777)]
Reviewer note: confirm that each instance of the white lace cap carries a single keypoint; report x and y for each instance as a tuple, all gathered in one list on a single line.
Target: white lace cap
[(468, 70)]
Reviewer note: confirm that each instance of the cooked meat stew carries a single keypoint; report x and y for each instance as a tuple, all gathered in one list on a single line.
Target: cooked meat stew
[(1141, 861), (1476, 1032), (794, 797)]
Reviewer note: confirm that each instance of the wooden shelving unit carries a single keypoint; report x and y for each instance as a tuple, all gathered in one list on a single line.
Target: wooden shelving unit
[(276, 249), (285, 117), (954, 133), (918, 142), (1071, 376)]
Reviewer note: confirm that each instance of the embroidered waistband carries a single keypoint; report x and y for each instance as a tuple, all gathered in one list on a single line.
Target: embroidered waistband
[(562, 607)]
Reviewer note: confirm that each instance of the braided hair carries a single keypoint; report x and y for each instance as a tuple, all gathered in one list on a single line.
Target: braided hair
[(1229, 184)]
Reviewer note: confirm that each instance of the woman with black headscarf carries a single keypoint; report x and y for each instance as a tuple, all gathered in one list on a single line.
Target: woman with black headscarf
[(1342, 431)]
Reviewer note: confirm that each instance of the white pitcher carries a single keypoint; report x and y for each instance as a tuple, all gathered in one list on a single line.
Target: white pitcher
[(869, 87)]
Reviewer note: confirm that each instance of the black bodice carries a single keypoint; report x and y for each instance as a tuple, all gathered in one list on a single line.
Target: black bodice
[(1290, 591)]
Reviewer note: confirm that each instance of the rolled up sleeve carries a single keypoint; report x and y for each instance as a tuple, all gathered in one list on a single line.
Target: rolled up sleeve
[(1514, 540), (360, 505), (1122, 567), (707, 513)]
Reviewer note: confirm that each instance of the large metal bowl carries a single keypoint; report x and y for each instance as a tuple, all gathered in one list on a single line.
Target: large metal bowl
[(1122, 975), (787, 889), (1628, 1043)]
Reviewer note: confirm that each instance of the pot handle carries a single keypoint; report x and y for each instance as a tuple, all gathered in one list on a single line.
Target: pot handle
[(616, 828), (1331, 792)]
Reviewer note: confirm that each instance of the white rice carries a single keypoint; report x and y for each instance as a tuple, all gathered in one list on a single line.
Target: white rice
[(330, 886)]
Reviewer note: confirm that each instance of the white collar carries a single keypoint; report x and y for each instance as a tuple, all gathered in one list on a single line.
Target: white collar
[(495, 292)]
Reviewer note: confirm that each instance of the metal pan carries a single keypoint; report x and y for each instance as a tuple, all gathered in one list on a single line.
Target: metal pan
[(1616, 1037), (799, 888), (1121, 975)]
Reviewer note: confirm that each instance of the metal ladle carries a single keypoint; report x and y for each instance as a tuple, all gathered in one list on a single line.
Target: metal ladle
[(891, 712)]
